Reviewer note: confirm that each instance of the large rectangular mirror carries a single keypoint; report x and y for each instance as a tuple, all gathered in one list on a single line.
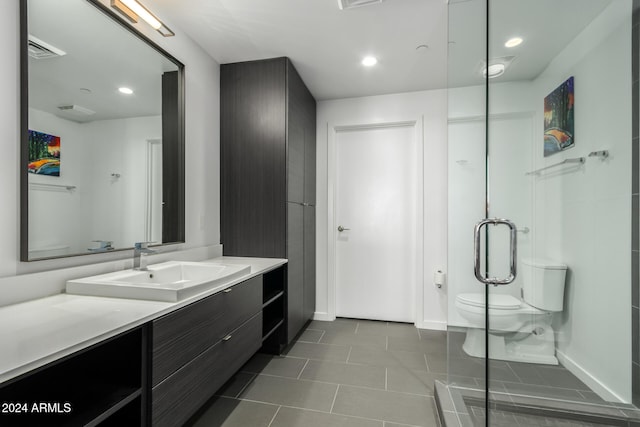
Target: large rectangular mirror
[(102, 147)]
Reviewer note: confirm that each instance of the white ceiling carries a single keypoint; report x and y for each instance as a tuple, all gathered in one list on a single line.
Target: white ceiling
[(100, 56), (326, 44), (547, 27)]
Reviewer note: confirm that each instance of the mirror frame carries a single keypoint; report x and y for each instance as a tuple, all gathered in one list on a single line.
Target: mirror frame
[(173, 168)]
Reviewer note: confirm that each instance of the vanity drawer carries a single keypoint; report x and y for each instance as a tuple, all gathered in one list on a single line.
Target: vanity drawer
[(178, 397), (241, 302), (181, 336)]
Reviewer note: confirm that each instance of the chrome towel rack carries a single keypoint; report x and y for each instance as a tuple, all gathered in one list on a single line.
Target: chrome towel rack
[(602, 154), (564, 162), (40, 184)]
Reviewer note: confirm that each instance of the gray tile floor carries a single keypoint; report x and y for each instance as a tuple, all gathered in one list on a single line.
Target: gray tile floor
[(346, 373), (353, 373), (526, 379)]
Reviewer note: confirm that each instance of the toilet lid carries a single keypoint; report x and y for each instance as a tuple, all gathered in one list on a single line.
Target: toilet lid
[(503, 302)]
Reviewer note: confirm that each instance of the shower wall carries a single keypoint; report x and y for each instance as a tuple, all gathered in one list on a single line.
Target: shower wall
[(579, 216)]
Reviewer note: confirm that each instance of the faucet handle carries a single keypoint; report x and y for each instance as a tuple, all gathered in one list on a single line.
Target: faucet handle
[(142, 245)]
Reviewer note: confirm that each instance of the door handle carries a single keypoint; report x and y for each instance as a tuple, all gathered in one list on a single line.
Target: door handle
[(513, 257), (341, 229)]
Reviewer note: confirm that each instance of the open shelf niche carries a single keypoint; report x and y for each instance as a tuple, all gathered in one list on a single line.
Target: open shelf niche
[(100, 385), (274, 309)]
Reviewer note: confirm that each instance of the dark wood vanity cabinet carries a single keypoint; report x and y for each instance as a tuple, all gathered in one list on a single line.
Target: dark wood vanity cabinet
[(157, 374), (268, 168), (101, 385), (197, 348)]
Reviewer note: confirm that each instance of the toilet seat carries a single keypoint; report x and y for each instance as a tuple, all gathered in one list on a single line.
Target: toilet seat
[(498, 301), (499, 304)]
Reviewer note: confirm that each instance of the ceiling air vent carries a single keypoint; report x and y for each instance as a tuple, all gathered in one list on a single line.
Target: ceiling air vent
[(76, 110), (350, 4), (42, 50)]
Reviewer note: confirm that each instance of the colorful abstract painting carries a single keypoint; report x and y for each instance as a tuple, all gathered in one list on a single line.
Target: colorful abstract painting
[(559, 119), (44, 153)]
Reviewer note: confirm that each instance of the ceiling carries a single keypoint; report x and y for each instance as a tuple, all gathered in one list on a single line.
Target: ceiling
[(547, 27), (326, 44), (100, 56)]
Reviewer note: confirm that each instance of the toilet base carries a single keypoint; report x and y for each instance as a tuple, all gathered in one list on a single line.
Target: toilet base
[(532, 348)]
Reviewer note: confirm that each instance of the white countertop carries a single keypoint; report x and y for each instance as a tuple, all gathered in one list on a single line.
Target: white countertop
[(38, 332)]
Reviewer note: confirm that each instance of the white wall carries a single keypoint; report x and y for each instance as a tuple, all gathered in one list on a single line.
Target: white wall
[(119, 204), (582, 217), (430, 108), (202, 154), (510, 148), (101, 207), (54, 213)]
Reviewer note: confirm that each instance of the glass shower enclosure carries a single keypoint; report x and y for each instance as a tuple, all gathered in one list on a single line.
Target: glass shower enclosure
[(543, 214)]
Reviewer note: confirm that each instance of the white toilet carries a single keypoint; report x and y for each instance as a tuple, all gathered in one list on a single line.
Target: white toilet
[(519, 330)]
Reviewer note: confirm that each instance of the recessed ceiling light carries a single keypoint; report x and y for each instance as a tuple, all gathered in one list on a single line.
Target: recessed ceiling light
[(369, 61), (494, 70), (516, 41), (125, 90)]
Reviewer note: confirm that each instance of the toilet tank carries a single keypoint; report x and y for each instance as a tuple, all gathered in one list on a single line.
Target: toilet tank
[(543, 283)]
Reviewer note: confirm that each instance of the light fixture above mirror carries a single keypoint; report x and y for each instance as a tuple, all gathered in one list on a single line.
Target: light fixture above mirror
[(134, 10)]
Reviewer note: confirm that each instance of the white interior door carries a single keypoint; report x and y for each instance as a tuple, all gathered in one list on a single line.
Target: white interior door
[(376, 205)]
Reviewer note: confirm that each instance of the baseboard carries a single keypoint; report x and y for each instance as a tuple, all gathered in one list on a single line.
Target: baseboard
[(320, 315), (593, 383), (434, 325)]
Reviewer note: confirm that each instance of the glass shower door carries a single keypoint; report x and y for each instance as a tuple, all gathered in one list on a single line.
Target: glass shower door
[(559, 168), (543, 132)]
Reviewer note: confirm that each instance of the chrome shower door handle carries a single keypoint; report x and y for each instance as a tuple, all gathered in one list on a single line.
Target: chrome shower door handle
[(341, 229), (513, 257)]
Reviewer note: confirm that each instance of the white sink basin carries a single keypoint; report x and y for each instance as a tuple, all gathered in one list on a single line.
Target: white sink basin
[(169, 281)]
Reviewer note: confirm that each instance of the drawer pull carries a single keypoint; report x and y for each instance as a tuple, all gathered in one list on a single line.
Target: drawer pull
[(226, 291), (227, 338)]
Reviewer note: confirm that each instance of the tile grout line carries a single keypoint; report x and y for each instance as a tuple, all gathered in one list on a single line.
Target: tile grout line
[(427, 363), (253, 377), (364, 387), (349, 354), (274, 416), (321, 336), (324, 412), (386, 346), (515, 373), (386, 376), (334, 399), (302, 370), (357, 325)]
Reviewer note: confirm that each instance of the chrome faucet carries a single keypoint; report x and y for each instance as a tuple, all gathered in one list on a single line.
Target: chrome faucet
[(140, 261)]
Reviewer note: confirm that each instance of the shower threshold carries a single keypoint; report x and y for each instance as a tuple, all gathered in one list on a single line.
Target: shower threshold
[(465, 407)]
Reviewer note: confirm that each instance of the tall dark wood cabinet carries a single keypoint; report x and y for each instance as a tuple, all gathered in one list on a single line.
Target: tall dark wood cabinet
[(268, 162)]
